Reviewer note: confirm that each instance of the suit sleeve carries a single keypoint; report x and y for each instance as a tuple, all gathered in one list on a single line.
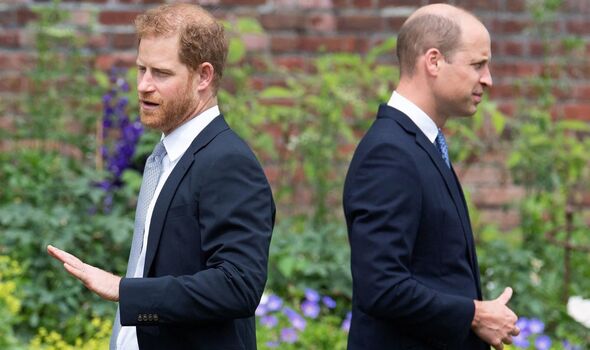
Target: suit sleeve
[(236, 215), (382, 202)]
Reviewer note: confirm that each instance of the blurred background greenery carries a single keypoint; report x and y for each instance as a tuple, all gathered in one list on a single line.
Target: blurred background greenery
[(76, 184)]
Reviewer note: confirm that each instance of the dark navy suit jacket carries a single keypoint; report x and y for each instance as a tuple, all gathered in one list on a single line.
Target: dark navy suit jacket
[(207, 253), (414, 267)]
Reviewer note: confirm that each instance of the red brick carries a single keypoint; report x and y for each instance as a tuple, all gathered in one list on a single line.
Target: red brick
[(504, 219), (97, 41), (10, 38), (579, 111), (12, 83), (242, 2), (515, 69), (294, 62), (582, 92), (357, 23), (516, 5), (482, 174), (321, 22), (7, 18), (577, 6), (25, 15), (363, 3), (15, 61), (479, 5), (284, 43), (509, 26), (578, 26), (124, 40), (508, 108), (514, 48), (398, 3), (394, 23), (256, 42), (340, 3), (106, 61), (537, 48), (148, 2), (292, 21), (497, 196), (329, 44), (118, 17)]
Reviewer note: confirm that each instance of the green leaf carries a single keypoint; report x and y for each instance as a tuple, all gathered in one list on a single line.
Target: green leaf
[(237, 51), (498, 121), (248, 25), (276, 92)]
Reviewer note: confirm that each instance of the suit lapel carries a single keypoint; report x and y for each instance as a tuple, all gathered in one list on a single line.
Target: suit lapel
[(447, 174), (171, 186)]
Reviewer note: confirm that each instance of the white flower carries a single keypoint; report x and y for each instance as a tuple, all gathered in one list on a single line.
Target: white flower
[(579, 309)]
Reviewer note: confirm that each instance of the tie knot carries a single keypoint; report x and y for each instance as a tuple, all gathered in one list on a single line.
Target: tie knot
[(159, 151), (441, 145)]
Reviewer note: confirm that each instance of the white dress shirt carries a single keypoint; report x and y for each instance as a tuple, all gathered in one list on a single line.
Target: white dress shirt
[(418, 116), (176, 143)]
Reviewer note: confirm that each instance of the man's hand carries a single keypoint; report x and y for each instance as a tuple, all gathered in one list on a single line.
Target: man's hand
[(494, 322), (103, 283)]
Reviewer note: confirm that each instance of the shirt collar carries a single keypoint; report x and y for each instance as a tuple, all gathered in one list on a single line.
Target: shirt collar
[(418, 116), (178, 141)]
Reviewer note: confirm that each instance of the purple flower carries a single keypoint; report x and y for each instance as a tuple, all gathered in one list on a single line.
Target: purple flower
[(269, 321), (312, 295), (289, 335), (296, 320), (310, 309), (272, 344), (329, 302), (521, 341), (536, 326), (261, 310), (523, 325), (543, 342), (274, 303), (346, 323)]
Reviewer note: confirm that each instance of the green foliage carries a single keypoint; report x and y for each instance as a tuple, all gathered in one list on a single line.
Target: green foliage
[(305, 256), (62, 101), (548, 156), (10, 305), (54, 201), (318, 119), (478, 134), (323, 333)]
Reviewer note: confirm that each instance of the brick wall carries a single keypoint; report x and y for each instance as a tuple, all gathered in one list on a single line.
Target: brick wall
[(296, 30)]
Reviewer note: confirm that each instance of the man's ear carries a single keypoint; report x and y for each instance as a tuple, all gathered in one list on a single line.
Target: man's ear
[(205, 75), (433, 60)]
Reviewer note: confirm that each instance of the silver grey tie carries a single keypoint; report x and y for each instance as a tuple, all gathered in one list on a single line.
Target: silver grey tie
[(151, 176)]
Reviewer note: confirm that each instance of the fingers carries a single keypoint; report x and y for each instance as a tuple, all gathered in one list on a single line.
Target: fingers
[(515, 331), (505, 296), (65, 257), (498, 346), (78, 273)]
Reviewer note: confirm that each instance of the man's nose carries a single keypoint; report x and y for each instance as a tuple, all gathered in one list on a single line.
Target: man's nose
[(486, 78)]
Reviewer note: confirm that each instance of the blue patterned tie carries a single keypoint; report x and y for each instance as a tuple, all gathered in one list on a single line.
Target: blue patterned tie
[(151, 176), (441, 145)]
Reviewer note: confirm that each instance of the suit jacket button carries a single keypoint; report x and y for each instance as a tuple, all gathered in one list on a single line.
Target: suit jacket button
[(150, 317), (139, 318), (156, 317)]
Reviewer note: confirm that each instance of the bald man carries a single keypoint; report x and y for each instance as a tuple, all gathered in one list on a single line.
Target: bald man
[(416, 282)]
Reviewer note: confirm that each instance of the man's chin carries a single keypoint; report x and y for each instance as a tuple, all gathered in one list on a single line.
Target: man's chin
[(150, 120)]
